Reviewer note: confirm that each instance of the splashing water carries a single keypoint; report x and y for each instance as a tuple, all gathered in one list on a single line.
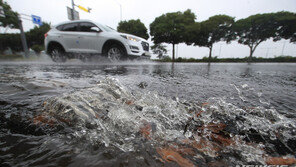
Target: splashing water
[(256, 132), (110, 115)]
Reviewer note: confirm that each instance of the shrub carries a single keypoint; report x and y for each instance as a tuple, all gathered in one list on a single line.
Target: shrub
[(37, 48)]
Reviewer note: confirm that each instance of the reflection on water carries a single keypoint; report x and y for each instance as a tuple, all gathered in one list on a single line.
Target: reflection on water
[(115, 70), (146, 114)]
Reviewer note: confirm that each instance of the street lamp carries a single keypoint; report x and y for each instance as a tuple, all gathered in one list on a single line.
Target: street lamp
[(73, 9), (120, 12), (120, 9)]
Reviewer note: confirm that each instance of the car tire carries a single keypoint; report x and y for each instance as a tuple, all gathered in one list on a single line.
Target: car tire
[(58, 55), (115, 53)]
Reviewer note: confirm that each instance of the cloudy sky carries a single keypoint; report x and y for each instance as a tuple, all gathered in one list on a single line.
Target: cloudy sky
[(108, 12)]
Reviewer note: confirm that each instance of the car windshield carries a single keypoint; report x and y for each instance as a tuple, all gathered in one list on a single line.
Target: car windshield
[(107, 28)]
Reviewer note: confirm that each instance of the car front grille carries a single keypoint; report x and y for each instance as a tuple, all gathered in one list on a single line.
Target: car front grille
[(145, 46)]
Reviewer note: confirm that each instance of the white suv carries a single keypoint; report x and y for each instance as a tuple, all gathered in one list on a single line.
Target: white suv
[(83, 38)]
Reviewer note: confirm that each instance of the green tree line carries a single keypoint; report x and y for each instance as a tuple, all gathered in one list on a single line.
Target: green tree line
[(181, 27)]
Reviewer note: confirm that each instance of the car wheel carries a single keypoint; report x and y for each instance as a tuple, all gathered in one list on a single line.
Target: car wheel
[(58, 55), (115, 53)]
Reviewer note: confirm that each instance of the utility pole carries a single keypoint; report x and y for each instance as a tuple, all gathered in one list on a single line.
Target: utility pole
[(283, 48), (220, 50), (73, 10), (120, 12), (72, 14), (177, 51), (267, 50), (120, 6), (23, 37)]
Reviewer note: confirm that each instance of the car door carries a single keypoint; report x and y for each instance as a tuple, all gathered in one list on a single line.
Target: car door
[(89, 35), (69, 37)]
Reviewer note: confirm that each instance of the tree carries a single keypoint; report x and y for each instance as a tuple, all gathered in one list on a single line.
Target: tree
[(192, 33), (135, 27), (11, 17), (36, 35), (170, 28), (286, 26), (215, 29), (37, 48), (159, 49), (255, 29)]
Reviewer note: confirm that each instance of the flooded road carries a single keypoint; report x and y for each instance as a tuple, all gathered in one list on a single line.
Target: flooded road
[(147, 114)]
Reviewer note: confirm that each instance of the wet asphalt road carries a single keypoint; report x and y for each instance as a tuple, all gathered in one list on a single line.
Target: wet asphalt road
[(25, 86)]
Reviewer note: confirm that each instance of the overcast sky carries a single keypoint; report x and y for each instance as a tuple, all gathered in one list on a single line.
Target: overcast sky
[(108, 12)]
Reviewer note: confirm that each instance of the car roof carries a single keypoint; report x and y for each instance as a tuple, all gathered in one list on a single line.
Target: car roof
[(75, 21)]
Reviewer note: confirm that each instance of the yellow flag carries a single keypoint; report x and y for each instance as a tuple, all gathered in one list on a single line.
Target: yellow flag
[(83, 8)]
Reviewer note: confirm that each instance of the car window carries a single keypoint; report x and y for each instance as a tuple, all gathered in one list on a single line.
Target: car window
[(70, 27), (87, 27), (60, 27)]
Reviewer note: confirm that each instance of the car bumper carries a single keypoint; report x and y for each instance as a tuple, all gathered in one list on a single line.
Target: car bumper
[(136, 49)]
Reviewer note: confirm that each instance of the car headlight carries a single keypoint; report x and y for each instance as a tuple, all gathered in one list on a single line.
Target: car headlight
[(131, 38)]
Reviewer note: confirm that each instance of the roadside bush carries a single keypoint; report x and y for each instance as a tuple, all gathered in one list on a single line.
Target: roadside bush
[(12, 41), (167, 59), (229, 60), (10, 57), (37, 48), (179, 59)]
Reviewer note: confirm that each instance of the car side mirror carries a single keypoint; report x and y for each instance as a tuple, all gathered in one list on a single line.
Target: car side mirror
[(95, 29)]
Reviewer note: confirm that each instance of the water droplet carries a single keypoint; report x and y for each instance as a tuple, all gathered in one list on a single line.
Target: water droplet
[(216, 121), (272, 136)]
